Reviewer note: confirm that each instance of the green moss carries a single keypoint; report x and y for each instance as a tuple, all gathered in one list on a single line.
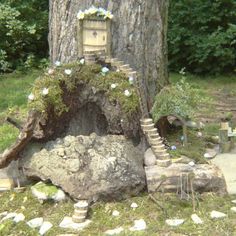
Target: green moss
[(48, 189), (81, 74)]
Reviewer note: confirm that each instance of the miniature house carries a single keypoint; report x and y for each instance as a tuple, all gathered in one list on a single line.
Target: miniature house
[(94, 36)]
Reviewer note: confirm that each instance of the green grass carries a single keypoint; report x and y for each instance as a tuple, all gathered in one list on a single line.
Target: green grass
[(101, 215), (14, 89)]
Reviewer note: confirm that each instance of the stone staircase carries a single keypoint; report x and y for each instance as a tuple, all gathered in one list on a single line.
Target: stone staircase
[(147, 124), (154, 139)]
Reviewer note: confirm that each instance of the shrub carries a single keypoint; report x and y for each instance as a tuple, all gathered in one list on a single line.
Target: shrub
[(202, 35), (23, 32), (180, 100)]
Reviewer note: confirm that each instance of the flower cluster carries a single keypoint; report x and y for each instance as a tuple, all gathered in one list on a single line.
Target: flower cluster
[(94, 11)]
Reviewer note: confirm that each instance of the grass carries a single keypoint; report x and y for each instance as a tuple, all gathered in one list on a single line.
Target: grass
[(101, 215), (14, 89)]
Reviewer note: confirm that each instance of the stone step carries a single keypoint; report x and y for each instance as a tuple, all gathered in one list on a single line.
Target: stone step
[(155, 136), (160, 152), (133, 74), (124, 67), (152, 132), (118, 63), (80, 213), (77, 219), (147, 127), (159, 146), (163, 163), (147, 121)]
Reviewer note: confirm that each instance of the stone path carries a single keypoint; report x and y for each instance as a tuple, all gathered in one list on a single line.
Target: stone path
[(227, 163)]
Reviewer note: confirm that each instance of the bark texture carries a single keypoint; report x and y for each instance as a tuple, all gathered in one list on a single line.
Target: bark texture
[(139, 32)]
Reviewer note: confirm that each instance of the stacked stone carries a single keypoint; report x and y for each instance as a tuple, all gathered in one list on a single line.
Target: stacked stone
[(153, 138), (80, 212)]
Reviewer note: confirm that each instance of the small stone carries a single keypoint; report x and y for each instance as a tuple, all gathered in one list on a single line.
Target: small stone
[(68, 223), (138, 225), (174, 222), (3, 214), (196, 219), (45, 227), (211, 153), (233, 209), (192, 124), (59, 196), (35, 223), (149, 158), (114, 231), (134, 205), (217, 215), (115, 213), (234, 201), (19, 217), (10, 215)]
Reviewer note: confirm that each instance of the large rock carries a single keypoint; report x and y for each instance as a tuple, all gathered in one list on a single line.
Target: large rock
[(88, 167)]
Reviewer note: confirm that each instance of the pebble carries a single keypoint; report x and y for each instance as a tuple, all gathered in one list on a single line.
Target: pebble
[(114, 231), (196, 219), (35, 223), (68, 223), (10, 215), (174, 222), (45, 227), (233, 209), (19, 217), (138, 225), (234, 201), (217, 215)]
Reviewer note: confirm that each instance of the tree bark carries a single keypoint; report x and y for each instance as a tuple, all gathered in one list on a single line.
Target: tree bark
[(23, 139), (139, 30)]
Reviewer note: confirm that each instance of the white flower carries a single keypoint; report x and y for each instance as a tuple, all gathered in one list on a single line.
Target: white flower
[(115, 213), (108, 15), (31, 97), (127, 93), (105, 70), (57, 63), (68, 72), (92, 10), (50, 71), (80, 15), (113, 86), (191, 163), (45, 91), (131, 80), (134, 205), (82, 61)]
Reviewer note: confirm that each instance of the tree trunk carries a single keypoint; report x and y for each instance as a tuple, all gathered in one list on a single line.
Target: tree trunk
[(139, 30)]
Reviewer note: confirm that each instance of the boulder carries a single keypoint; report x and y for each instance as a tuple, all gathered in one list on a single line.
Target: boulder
[(88, 167), (204, 177)]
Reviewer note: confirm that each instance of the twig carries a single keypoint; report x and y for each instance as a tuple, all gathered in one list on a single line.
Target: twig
[(14, 123), (154, 200)]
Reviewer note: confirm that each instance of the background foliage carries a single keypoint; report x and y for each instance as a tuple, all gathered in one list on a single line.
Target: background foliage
[(24, 29), (202, 35)]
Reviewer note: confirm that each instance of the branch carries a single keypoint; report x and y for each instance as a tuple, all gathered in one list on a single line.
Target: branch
[(24, 138), (14, 123)]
